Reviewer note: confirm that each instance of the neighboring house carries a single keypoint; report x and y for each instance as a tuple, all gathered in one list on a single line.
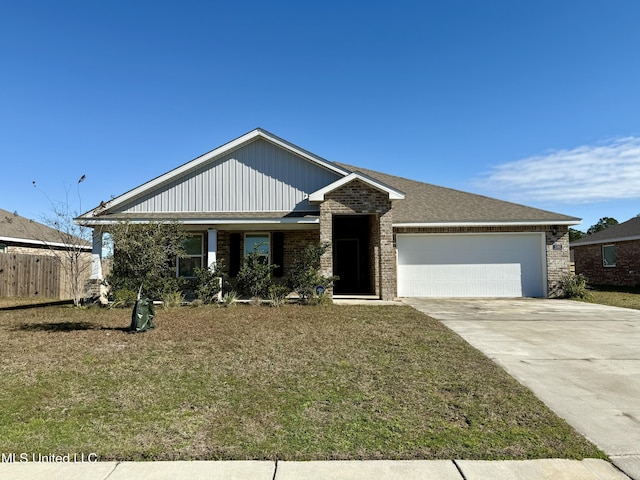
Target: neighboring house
[(389, 236), (22, 235), (34, 258), (610, 256)]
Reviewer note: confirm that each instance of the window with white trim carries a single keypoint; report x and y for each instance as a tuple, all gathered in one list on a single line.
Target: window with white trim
[(259, 243), (193, 246), (609, 255)]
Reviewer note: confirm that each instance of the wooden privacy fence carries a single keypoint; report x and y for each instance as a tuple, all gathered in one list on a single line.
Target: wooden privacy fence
[(23, 275)]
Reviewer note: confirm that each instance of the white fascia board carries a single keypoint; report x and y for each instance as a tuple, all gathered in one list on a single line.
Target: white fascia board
[(318, 195), (312, 220), (43, 243), (222, 150), (606, 241), (486, 224)]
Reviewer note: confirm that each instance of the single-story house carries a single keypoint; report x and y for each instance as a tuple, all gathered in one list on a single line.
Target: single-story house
[(389, 236), (34, 260), (25, 236), (610, 256)]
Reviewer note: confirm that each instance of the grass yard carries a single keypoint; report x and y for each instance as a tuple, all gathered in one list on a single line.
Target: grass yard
[(8, 302), (326, 382), (628, 297)]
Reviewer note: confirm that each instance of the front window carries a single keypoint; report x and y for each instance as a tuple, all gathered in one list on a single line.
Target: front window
[(3, 248), (259, 243), (193, 260), (609, 255)]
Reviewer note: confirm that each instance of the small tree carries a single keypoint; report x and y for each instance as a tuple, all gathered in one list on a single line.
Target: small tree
[(305, 274), (68, 242), (144, 254)]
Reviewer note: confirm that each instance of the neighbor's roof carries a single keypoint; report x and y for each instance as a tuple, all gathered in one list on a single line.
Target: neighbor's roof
[(431, 205), (17, 229), (629, 230)]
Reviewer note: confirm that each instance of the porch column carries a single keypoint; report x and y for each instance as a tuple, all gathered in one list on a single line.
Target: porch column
[(96, 255), (212, 251)]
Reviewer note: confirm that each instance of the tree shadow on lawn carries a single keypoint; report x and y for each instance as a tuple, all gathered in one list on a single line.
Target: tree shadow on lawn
[(66, 327)]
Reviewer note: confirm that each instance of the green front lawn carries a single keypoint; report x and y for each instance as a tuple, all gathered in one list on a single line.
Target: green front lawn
[(627, 297), (326, 382)]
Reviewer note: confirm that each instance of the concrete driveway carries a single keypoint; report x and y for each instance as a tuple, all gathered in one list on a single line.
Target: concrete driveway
[(582, 360)]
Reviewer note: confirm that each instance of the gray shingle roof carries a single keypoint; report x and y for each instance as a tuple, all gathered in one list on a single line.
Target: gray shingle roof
[(628, 229), (13, 226), (426, 203)]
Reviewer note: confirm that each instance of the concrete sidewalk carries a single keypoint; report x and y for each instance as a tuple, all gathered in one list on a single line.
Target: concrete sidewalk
[(556, 469)]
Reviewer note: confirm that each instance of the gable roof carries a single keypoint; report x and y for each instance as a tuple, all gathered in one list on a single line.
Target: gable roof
[(421, 204), (318, 195), (430, 205), (629, 230), (210, 157), (17, 229)]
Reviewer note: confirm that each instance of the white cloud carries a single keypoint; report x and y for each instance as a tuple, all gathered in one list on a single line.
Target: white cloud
[(586, 174)]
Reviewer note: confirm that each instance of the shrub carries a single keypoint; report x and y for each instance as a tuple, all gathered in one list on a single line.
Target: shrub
[(172, 299), (208, 283), (254, 276), (278, 294), (574, 286), (305, 274), (123, 298), (145, 254), (229, 298)]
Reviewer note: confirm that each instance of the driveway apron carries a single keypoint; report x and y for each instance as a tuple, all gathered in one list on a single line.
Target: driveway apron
[(582, 360)]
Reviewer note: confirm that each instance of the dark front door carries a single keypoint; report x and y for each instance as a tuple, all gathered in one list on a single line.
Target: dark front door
[(351, 254)]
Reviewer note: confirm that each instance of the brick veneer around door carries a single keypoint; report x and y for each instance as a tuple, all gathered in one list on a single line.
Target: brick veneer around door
[(354, 198)]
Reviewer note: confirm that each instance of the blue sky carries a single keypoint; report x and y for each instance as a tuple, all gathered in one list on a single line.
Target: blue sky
[(536, 102)]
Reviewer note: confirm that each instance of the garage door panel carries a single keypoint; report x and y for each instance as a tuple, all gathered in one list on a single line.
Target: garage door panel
[(468, 280), (471, 265)]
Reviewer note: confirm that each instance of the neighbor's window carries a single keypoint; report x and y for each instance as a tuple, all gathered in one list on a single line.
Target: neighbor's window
[(193, 260), (3, 248), (609, 255), (257, 242)]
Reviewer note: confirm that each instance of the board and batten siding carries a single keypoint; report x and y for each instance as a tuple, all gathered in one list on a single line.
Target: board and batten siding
[(257, 177)]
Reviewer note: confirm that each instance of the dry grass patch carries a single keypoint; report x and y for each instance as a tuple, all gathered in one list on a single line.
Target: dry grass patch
[(626, 297), (326, 382)]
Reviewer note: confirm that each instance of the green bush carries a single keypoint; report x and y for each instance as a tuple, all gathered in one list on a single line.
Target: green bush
[(305, 274), (278, 294), (144, 255), (208, 283), (172, 299), (123, 298), (574, 286), (254, 276), (229, 298)]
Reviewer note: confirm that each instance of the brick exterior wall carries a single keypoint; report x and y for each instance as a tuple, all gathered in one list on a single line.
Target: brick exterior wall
[(588, 261), (556, 247), (295, 241), (25, 250), (357, 197)]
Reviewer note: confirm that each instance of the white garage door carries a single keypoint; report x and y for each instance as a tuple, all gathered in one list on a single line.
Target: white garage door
[(473, 265)]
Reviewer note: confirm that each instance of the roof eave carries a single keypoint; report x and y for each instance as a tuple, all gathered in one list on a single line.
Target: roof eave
[(490, 223), (605, 241)]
